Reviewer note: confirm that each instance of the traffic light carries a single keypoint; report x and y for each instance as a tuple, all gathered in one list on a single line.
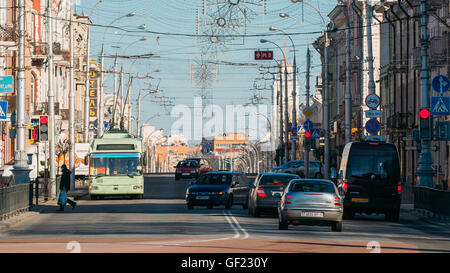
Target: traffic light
[(426, 123), (307, 144), (43, 128)]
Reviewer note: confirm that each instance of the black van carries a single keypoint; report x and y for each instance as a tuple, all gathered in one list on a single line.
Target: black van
[(369, 179)]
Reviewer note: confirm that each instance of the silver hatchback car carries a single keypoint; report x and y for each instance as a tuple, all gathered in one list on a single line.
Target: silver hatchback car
[(313, 202)]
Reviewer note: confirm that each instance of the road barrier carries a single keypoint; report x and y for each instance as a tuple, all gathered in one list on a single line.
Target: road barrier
[(15, 199), (436, 201)]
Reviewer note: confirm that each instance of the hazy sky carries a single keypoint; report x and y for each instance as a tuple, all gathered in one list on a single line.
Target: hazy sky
[(171, 34)]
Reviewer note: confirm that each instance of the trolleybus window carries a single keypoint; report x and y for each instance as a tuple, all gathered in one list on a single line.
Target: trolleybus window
[(115, 164)]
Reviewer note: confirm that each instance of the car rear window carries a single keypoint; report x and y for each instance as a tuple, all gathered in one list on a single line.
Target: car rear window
[(276, 180), (313, 187), (379, 160), (214, 179), (188, 164)]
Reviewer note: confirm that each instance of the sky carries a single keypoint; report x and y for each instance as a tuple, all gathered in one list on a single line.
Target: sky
[(178, 32)]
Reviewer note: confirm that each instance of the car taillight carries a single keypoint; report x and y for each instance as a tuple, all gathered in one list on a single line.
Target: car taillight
[(260, 193), (337, 201), (345, 188), (286, 202)]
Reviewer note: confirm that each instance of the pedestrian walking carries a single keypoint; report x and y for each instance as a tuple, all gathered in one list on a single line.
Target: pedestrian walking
[(65, 187)]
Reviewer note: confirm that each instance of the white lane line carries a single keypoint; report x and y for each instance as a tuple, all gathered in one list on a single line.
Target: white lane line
[(237, 234), (228, 213)]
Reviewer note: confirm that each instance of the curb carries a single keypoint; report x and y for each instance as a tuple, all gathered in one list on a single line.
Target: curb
[(7, 224), (422, 213)]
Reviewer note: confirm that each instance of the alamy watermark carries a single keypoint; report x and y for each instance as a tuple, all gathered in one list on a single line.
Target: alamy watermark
[(207, 121)]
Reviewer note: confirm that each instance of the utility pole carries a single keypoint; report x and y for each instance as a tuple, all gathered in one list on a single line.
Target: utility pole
[(51, 100), (308, 68), (369, 47), (326, 104), (101, 123), (425, 172), (286, 113), (72, 107), (129, 104), (138, 122), (86, 93), (281, 161), (348, 92), (115, 92), (21, 171), (294, 110)]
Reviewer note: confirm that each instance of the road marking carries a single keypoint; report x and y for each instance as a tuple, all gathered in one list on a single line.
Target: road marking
[(228, 216)]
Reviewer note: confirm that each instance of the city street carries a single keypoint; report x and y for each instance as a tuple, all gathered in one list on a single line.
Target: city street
[(162, 223)]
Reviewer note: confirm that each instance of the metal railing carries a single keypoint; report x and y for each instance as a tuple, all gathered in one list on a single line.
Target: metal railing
[(15, 199), (436, 201)]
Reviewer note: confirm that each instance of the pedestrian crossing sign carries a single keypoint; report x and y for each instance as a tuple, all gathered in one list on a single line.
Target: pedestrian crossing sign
[(440, 106), (3, 110)]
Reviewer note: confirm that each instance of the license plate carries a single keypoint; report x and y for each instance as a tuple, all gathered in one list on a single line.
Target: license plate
[(186, 174), (202, 197), (275, 192), (360, 200), (311, 214)]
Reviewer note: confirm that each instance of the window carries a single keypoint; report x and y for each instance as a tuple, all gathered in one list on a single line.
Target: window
[(276, 180), (313, 187), (214, 179)]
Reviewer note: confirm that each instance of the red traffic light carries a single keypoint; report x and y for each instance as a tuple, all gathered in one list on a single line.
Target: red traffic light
[(424, 113), (43, 119), (307, 134)]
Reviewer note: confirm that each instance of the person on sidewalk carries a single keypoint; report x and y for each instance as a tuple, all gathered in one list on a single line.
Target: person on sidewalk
[(65, 186)]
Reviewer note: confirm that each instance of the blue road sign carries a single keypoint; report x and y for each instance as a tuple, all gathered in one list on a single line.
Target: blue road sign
[(3, 110), (373, 126), (6, 84), (315, 134), (308, 125), (440, 106), (300, 130), (440, 84)]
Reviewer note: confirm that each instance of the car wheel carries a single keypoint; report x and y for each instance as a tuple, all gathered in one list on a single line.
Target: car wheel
[(282, 223), (257, 212), (395, 215), (94, 197), (189, 206), (210, 206), (337, 226), (177, 177), (229, 203)]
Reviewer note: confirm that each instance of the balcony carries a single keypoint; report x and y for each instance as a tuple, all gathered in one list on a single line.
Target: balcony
[(40, 50), (8, 33)]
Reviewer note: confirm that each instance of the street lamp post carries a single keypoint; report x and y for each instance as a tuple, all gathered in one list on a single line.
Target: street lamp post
[(294, 93), (326, 121), (281, 102)]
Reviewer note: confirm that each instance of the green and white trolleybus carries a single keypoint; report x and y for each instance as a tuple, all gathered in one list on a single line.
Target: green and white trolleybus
[(115, 165)]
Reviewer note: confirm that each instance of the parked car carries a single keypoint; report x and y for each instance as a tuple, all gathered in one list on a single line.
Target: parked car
[(369, 178), (204, 166), (298, 167), (187, 169), (218, 188), (263, 191), (313, 202)]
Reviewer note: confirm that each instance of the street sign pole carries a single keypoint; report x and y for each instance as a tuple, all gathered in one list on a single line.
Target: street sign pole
[(425, 172), (308, 67)]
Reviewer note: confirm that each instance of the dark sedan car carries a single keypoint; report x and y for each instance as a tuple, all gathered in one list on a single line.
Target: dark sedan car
[(218, 188), (266, 191)]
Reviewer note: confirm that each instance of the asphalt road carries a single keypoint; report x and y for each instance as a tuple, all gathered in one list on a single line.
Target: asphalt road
[(162, 223)]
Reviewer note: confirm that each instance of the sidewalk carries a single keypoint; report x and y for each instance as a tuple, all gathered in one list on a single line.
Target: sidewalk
[(425, 215)]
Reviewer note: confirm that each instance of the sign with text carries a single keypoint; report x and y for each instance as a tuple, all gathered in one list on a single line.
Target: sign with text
[(6, 84), (263, 55), (93, 88)]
